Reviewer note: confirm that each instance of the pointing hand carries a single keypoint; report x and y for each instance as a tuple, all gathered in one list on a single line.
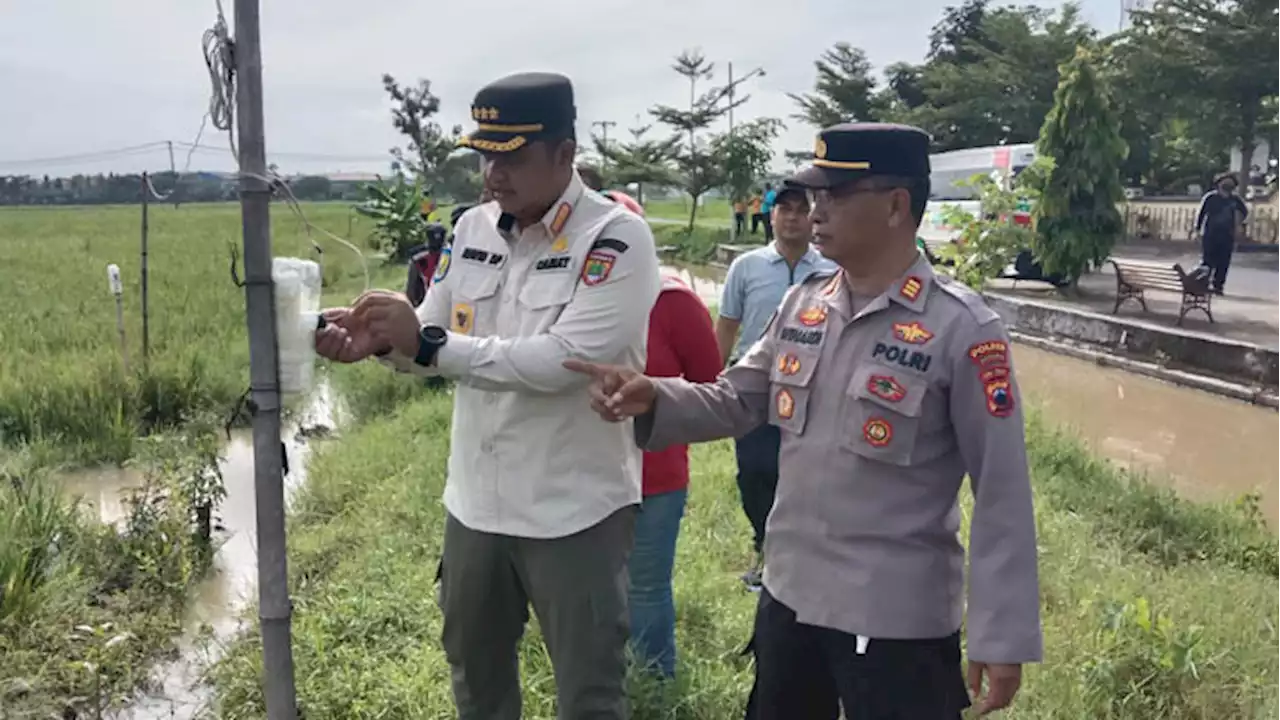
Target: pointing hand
[(617, 393)]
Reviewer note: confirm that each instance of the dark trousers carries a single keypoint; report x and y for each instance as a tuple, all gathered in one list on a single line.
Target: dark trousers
[(739, 223), (578, 587), (768, 227), (756, 220), (805, 672), (1218, 248), (757, 453)]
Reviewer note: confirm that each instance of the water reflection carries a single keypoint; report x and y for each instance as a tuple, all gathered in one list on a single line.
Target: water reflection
[(217, 601), (1206, 446)]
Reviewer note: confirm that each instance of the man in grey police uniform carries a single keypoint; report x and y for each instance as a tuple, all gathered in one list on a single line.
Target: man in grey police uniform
[(889, 383), (541, 496)]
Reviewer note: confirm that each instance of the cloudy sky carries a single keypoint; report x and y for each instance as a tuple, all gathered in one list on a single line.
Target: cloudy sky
[(82, 76)]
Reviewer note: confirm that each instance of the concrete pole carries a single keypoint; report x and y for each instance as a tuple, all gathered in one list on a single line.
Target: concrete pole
[(274, 607)]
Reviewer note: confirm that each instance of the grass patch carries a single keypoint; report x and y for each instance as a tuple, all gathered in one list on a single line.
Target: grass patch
[(1128, 633), (62, 380), (714, 211), (696, 246), (84, 607)]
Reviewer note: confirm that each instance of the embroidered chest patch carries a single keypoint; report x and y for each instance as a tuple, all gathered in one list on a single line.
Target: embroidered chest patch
[(886, 387), (877, 432)]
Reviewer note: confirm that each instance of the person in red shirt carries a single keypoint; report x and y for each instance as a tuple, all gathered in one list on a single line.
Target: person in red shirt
[(682, 343)]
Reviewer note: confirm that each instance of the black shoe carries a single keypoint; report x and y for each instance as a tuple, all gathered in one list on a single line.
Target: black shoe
[(1218, 292), (753, 579)]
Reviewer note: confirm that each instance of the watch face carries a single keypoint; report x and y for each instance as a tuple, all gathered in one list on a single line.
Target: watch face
[(433, 333)]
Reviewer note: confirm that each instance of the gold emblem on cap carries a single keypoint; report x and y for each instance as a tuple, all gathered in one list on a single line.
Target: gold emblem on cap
[(820, 149)]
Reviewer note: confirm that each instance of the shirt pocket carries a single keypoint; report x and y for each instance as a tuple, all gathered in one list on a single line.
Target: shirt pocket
[(475, 301), (884, 413), (790, 384), (543, 298)]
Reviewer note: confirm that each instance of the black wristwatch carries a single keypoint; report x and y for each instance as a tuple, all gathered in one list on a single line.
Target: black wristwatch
[(430, 339)]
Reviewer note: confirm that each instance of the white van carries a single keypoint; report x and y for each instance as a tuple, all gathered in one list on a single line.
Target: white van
[(948, 169)]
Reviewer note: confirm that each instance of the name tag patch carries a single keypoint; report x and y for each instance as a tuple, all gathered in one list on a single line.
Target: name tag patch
[(483, 257), (553, 263), (912, 359), (800, 337)]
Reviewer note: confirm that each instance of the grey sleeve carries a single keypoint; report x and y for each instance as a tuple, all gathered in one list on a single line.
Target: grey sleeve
[(733, 405), (1003, 623)]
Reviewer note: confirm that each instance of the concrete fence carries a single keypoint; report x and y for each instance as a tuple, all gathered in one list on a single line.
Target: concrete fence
[(1175, 219)]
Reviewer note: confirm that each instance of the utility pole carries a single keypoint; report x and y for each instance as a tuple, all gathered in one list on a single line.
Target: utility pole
[(274, 606), (146, 312), (604, 126), (733, 221), (173, 170)]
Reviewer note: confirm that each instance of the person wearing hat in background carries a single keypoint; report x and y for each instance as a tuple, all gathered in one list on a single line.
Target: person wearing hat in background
[(541, 497), (889, 384), (755, 284), (1218, 221)]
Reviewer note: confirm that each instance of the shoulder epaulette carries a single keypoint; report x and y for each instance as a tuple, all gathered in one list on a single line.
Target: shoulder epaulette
[(972, 300)]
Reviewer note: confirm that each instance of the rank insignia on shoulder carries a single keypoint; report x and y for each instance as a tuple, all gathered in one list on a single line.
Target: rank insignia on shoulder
[(597, 267), (788, 364), (911, 288), (560, 218), (442, 267), (812, 316), (786, 404), (912, 332), (886, 387), (877, 432)]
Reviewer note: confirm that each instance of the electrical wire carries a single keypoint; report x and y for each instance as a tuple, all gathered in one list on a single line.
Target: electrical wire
[(88, 156)]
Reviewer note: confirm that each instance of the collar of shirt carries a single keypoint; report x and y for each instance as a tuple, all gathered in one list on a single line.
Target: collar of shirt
[(810, 256), (554, 220), (910, 290)]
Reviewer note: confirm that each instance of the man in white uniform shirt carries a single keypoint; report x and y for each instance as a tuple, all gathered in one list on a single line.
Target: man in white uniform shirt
[(541, 496)]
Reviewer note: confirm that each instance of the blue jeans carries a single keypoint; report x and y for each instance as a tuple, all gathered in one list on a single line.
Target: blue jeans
[(653, 608)]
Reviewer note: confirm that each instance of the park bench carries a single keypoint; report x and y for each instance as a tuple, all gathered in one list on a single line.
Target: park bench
[(1135, 277)]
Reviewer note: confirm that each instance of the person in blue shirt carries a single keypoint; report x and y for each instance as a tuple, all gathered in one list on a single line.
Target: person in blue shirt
[(755, 285), (766, 207)]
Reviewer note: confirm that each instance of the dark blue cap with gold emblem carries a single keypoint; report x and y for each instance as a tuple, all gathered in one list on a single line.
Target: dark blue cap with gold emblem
[(852, 151), (519, 109)]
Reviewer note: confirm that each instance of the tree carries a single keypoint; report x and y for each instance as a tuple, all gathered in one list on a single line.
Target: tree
[(640, 161), (844, 90), (1225, 49), (429, 146), (698, 170), (990, 74), (745, 155), (311, 187), (1077, 222)]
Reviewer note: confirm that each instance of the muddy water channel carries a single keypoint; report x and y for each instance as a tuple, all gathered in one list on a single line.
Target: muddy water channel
[(212, 615), (1207, 447)]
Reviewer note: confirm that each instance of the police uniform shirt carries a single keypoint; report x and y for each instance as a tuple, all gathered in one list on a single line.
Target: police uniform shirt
[(883, 409), (529, 457)]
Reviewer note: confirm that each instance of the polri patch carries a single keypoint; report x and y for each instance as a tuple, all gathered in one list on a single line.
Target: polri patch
[(610, 244), (785, 403), (462, 320), (877, 432), (913, 333), (788, 364), (911, 288), (597, 267), (886, 387), (989, 353), (812, 316), (442, 267), (910, 359)]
